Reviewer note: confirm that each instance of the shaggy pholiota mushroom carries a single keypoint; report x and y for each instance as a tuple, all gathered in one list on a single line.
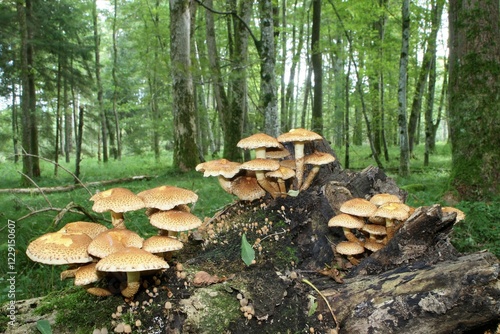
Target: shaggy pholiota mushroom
[(379, 199), (392, 212), (316, 160), (159, 244), (224, 169), (171, 222), (116, 201), (281, 175), (259, 142), (247, 188), (299, 137), (347, 223), (359, 207), (86, 276), (112, 241), (375, 232), (351, 250), (167, 197), (90, 229), (260, 167), (131, 261), (449, 209), (60, 248)]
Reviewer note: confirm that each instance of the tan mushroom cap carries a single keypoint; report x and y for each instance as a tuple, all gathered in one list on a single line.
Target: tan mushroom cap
[(374, 229), (450, 209), (288, 163), (112, 241), (298, 135), (349, 248), (283, 173), (358, 207), (258, 142), (131, 259), (87, 274), (90, 229), (222, 167), (346, 220), (174, 220), (167, 197), (161, 243), (373, 246), (379, 199), (277, 152), (59, 248), (117, 200), (261, 165), (392, 210), (247, 188), (319, 158)]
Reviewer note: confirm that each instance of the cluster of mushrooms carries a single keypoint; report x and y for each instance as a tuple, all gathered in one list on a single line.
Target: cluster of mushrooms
[(369, 224), (272, 171), (93, 251)]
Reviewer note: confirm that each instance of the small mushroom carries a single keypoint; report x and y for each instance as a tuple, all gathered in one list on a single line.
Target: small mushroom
[(174, 221), (90, 229), (281, 175), (167, 197), (379, 199), (391, 212), (259, 142), (247, 188), (316, 159), (224, 169), (132, 261), (112, 241), (260, 166), (347, 222), (449, 209), (60, 248), (351, 249), (358, 207), (116, 201)]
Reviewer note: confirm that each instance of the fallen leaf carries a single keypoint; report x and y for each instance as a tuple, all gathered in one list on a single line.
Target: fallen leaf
[(202, 278)]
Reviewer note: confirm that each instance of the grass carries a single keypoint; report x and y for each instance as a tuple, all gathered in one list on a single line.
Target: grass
[(425, 186)]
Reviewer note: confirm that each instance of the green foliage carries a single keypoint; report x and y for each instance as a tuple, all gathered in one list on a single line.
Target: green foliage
[(247, 251), (43, 326)]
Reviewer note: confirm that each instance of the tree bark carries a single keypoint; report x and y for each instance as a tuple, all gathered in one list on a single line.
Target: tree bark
[(404, 158), (474, 96), (317, 65)]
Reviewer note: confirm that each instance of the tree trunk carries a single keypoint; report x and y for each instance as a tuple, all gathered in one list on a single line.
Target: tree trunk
[(185, 150), (68, 122), (58, 119), (79, 140), (474, 97), (267, 55), (15, 126), (115, 86), (404, 158), (317, 65)]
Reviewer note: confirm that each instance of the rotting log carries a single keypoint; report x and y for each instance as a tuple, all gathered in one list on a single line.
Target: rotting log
[(452, 296)]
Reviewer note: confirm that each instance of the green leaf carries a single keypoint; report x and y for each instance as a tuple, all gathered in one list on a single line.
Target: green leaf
[(293, 193), (247, 252), (313, 305), (44, 326)]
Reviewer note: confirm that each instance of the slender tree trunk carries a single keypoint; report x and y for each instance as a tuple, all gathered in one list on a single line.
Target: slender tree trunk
[(317, 65), (347, 114), (283, 35), (58, 118), (115, 86), (307, 93), (267, 55), (100, 102), (404, 158), (15, 126), (68, 122), (474, 97), (185, 150), (79, 140)]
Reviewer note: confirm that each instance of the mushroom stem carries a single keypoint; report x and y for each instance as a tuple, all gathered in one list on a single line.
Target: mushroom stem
[(310, 177), (299, 162), (133, 284), (389, 225), (260, 153), (225, 184), (117, 219), (264, 183), (69, 273), (350, 236), (282, 187)]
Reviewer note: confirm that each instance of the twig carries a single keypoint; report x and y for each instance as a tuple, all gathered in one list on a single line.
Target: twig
[(276, 233), (79, 211), (326, 301), (36, 185)]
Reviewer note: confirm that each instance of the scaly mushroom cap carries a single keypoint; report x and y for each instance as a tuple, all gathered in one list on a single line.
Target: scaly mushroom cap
[(276, 152), (298, 135), (59, 248), (349, 248), (259, 142), (222, 167), (283, 173), (319, 158), (131, 259), (167, 197), (392, 210), (261, 165), (358, 207), (90, 229), (373, 246), (374, 229), (247, 188), (379, 199), (174, 220), (87, 274), (450, 209), (116, 200), (346, 220), (161, 243), (112, 241)]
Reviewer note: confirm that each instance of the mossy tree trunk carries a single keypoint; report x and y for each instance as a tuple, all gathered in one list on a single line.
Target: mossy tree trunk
[(474, 96)]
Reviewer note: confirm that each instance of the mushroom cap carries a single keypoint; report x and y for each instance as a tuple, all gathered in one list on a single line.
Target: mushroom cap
[(349, 248), (258, 140), (277, 152), (131, 259), (247, 188), (374, 229), (223, 167), (449, 209), (358, 207), (373, 246), (319, 158), (284, 173), (289, 163), (167, 197), (161, 243), (392, 210), (346, 220), (60, 248), (117, 200), (114, 240), (87, 274), (298, 135), (379, 199), (90, 229), (174, 220), (261, 165)]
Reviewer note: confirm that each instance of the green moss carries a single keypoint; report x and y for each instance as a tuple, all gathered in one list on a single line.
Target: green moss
[(78, 311)]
